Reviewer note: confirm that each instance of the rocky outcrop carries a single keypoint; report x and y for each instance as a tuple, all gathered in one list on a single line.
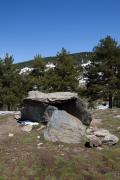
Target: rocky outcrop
[(66, 118), (97, 137), (63, 112), (38, 106), (64, 127)]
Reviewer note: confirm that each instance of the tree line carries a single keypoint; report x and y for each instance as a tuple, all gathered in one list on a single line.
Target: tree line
[(102, 76)]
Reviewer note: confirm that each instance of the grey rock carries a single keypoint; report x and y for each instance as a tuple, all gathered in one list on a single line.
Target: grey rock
[(51, 97), (110, 139), (40, 106), (48, 113), (93, 141), (64, 127), (33, 111), (103, 135)]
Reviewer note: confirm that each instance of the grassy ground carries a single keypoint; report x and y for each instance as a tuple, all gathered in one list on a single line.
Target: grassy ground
[(22, 159)]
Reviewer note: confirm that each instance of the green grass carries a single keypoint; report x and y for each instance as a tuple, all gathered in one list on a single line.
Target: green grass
[(4, 117), (20, 157)]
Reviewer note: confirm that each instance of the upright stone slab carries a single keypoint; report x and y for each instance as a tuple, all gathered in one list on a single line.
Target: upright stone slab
[(64, 127)]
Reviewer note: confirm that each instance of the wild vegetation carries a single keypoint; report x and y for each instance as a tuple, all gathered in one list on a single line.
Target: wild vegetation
[(29, 156), (102, 75)]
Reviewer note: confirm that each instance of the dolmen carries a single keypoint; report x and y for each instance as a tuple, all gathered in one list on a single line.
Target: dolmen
[(64, 113)]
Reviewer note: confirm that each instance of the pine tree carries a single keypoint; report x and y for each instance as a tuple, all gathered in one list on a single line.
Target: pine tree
[(104, 72), (38, 72), (10, 84), (65, 76)]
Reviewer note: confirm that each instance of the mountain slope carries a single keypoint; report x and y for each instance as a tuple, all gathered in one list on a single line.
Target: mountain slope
[(79, 57)]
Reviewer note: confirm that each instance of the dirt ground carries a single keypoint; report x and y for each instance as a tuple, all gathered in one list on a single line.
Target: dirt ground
[(27, 156), (8, 125)]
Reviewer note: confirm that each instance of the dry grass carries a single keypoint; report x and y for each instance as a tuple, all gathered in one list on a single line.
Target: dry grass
[(21, 157)]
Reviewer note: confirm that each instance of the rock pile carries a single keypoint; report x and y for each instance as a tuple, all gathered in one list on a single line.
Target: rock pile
[(64, 113), (38, 106), (66, 119), (97, 137)]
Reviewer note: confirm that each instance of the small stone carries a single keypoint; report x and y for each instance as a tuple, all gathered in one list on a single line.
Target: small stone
[(99, 148), (27, 128), (93, 141), (61, 145), (10, 135), (38, 137), (117, 116), (110, 139), (17, 116), (101, 133), (39, 144)]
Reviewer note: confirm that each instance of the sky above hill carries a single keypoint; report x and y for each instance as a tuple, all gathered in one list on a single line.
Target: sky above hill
[(30, 27)]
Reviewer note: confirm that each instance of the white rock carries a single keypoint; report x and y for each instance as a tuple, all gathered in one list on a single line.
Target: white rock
[(17, 116), (110, 139), (39, 144), (100, 148), (10, 135), (101, 132), (94, 141), (38, 137), (27, 128)]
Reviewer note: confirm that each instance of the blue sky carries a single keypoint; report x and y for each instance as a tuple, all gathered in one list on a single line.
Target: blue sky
[(29, 27)]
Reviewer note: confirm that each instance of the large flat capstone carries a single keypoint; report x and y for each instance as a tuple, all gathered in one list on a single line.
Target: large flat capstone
[(51, 97)]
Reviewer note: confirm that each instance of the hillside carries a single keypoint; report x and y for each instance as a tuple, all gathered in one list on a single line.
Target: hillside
[(79, 57)]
